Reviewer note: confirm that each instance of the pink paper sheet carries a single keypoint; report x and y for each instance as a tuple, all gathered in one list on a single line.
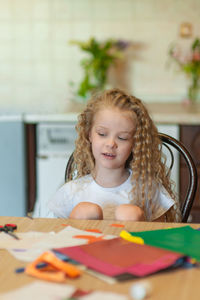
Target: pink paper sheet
[(117, 256)]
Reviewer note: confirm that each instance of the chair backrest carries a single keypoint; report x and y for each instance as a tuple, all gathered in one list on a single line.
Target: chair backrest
[(187, 203), (68, 167), (167, 140)]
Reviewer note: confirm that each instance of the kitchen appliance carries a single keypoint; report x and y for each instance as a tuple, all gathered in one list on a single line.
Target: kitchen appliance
[(54, 144)]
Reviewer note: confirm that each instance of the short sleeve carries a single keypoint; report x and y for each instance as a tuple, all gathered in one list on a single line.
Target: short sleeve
[(161, 203), (61, 203)]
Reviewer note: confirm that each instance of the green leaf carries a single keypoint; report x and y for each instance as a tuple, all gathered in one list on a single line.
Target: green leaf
[(196, 44)]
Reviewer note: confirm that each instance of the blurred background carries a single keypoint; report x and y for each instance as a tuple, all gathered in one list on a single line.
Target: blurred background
[(37, 62)]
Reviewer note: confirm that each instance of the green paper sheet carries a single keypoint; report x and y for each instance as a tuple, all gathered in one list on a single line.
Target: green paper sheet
[(184, 240)]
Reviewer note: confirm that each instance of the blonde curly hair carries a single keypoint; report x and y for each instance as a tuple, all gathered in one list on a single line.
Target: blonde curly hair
[(148, 169)]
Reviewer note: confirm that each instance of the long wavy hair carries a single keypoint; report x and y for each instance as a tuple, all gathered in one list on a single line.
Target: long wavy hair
[(145, 161)]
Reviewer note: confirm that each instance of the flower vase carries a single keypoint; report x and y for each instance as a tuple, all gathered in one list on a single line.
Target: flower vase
[(193, 90)]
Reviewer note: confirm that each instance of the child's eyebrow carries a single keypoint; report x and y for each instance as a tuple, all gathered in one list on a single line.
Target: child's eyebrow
[(126, 131), (99, 127)]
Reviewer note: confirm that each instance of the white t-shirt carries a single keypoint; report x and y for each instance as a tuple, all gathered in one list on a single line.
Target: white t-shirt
[(85, 189)]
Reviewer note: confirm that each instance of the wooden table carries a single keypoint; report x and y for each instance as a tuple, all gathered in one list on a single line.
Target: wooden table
[(180, 284)]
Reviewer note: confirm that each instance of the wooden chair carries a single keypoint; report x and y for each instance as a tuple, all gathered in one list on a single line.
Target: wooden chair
[(168, 141), (186, 204)]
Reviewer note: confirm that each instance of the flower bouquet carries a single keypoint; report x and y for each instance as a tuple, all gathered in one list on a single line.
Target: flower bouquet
[(189, 63)]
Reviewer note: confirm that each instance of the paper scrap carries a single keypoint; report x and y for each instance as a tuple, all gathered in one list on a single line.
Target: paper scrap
[(94, 230), (117, 225), (89, 238), (64, 238), (27, 239), (99, 295), (40, 290)]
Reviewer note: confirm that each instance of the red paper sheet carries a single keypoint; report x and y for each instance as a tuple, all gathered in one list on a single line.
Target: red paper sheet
[(117, 256)]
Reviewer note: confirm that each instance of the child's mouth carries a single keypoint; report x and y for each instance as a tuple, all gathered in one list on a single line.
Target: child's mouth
[(109, 155)]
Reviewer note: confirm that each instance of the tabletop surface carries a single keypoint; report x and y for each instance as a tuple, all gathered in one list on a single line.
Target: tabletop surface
[(180, 284)]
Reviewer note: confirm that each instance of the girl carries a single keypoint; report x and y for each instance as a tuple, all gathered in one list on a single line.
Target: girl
[(118, 167)]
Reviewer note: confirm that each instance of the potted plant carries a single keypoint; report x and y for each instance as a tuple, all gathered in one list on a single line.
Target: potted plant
[(100, 57)]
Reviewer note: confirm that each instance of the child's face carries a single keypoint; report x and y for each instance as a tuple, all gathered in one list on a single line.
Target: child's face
[(112, 137)]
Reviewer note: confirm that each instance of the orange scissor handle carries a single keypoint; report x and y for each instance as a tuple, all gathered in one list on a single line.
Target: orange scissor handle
[(57, 271)]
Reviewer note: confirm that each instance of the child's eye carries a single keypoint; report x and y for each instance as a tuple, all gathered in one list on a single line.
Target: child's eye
[(101, 134), (122, 138)]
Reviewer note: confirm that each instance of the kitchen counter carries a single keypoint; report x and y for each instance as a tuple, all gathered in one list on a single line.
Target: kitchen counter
[(11, 118), (175, 113), (51, 117), (165, 113)]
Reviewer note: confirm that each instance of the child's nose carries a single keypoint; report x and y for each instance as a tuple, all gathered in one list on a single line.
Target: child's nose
[(111, 143)]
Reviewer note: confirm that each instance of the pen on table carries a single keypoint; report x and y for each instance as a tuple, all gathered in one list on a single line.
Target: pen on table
[(38, 266)]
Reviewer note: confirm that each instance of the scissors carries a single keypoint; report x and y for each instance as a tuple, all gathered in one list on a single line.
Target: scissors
[(9, 228)]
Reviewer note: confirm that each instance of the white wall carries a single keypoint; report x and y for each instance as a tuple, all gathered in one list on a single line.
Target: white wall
[(37, 62)]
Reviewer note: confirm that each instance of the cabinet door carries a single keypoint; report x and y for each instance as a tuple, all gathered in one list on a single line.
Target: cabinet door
[(12, 170), (190, 136)]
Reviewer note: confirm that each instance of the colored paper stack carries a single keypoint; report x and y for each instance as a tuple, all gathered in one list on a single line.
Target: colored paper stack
[(122, 259)]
